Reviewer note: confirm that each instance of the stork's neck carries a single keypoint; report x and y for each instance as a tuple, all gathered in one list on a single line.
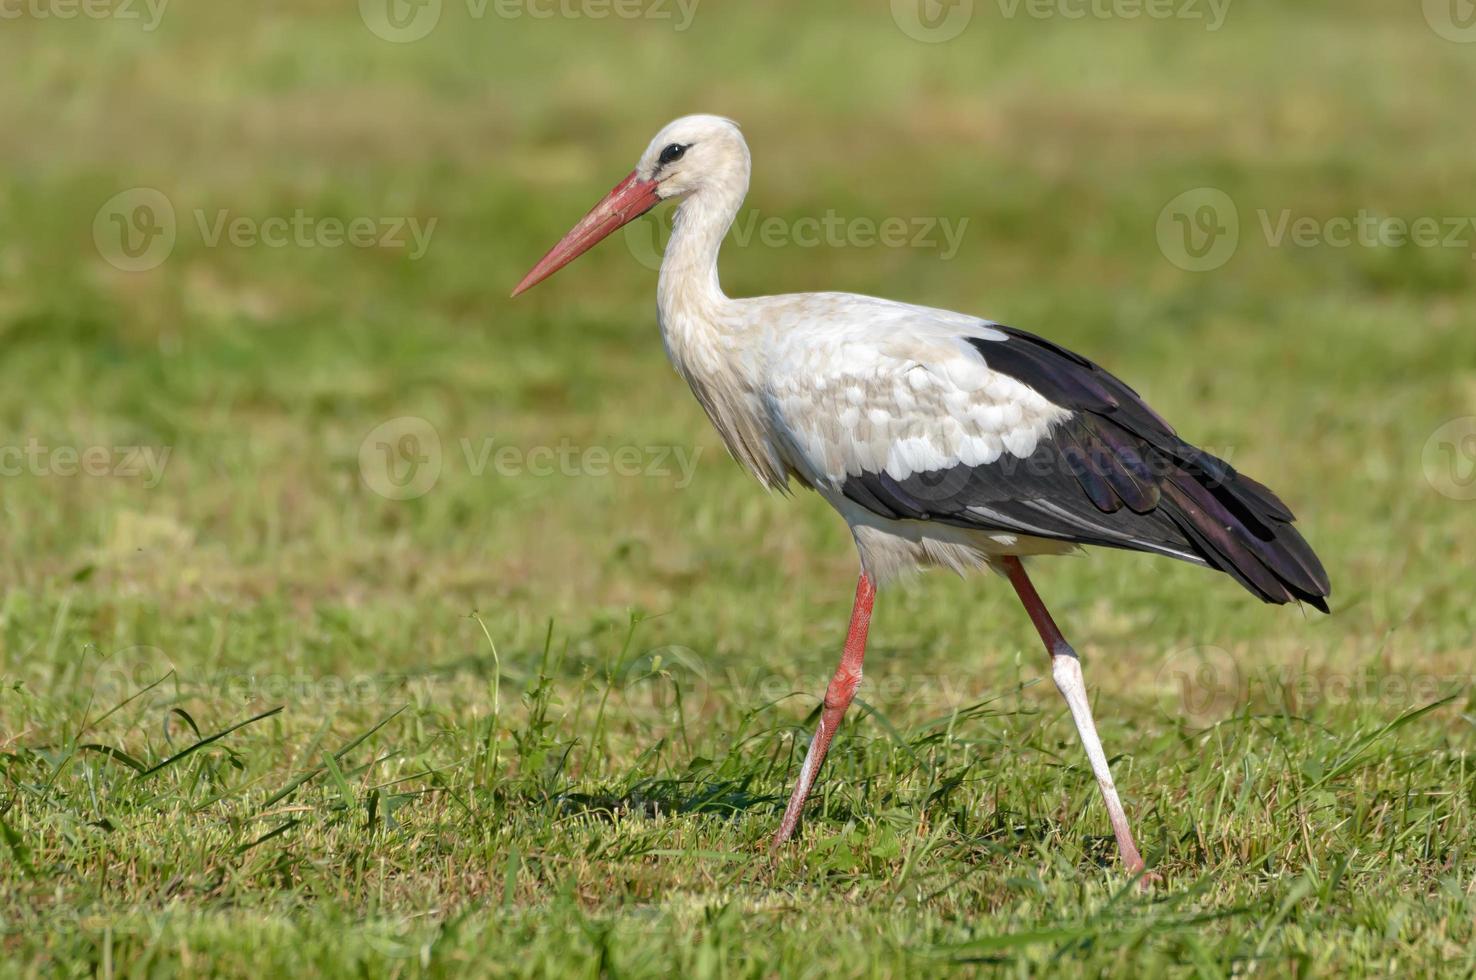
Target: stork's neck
[(689, 289), (706, 334)]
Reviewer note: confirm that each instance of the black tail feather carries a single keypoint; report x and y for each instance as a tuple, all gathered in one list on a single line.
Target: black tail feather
[(1155, 492), (1241, 528)]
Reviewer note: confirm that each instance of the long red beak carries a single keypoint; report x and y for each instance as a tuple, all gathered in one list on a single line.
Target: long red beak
[(630, 199)]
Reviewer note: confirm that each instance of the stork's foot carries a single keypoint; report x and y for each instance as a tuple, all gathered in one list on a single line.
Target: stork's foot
[(1133, 864), (786, 830)]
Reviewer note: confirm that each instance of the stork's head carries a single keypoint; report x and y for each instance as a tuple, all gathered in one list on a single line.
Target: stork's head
[(689, 155), (694, 152)]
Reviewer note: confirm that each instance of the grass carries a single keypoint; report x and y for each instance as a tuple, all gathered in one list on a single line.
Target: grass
[(257, 717)]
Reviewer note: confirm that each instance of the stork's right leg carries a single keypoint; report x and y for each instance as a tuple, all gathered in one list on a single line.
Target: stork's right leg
[(837, 699), (1066, 670)]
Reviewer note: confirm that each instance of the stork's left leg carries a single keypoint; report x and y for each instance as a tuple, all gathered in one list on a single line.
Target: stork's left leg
[(1066, 669), (837, 699)]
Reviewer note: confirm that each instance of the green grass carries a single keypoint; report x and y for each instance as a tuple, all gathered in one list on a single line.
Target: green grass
[(257, 718)]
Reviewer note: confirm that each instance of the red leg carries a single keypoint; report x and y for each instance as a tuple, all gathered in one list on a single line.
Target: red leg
[(837, 699), (1066, 670)]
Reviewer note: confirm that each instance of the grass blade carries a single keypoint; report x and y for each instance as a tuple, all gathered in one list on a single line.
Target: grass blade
[(211, 739)]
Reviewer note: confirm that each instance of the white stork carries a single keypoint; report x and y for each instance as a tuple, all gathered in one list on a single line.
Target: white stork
[(942, 439)]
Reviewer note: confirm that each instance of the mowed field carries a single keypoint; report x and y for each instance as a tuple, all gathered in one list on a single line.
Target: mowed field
[(359, 620)]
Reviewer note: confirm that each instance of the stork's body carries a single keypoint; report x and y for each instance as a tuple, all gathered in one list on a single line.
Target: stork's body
[(942, 439)]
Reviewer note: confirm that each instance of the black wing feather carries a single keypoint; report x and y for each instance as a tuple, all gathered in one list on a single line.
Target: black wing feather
[(1115, 474)]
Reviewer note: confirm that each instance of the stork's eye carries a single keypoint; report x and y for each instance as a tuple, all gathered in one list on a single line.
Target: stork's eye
[(671, 153)]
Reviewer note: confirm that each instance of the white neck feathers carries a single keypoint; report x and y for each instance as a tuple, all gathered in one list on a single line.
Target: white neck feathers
[(689, 276)]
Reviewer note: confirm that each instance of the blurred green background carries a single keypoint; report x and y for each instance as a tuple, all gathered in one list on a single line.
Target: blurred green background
[(1117, 183)]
